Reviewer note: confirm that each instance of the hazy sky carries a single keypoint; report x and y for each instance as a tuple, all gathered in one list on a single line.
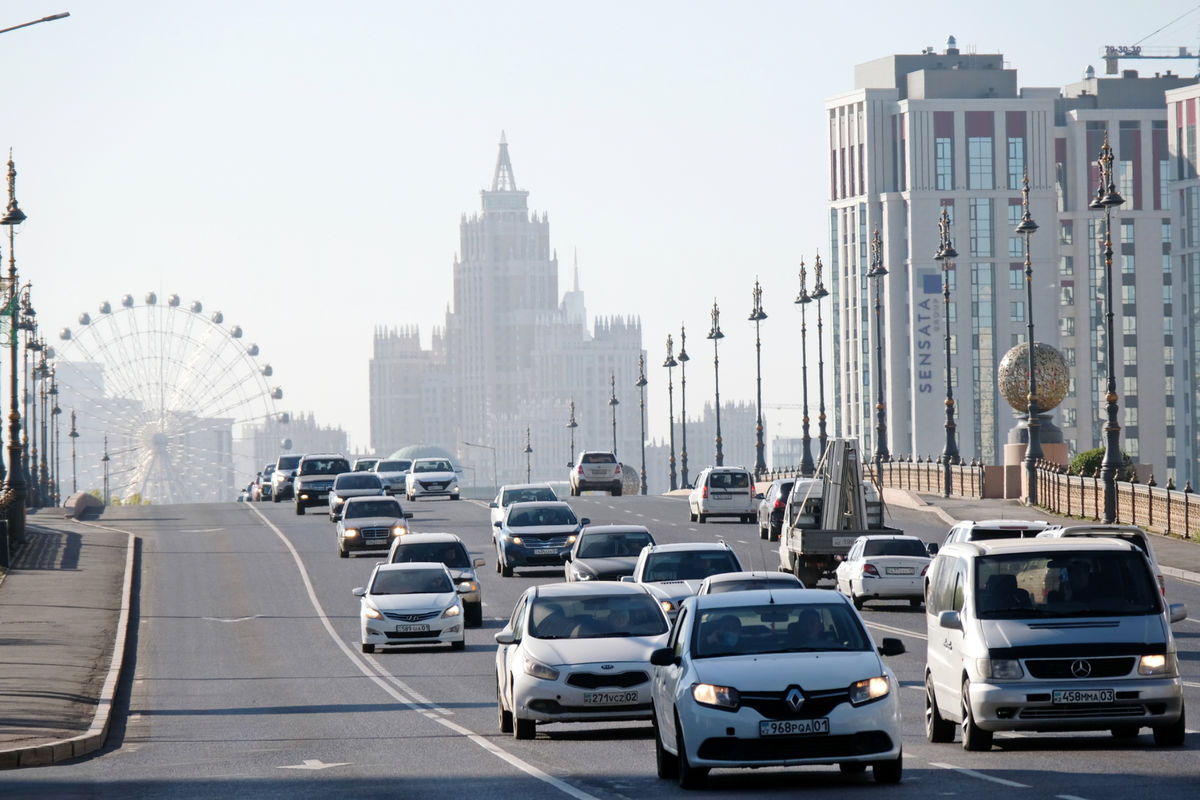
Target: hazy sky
[(303, 166)]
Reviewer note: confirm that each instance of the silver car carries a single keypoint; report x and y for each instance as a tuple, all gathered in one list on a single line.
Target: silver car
[(352, 484), (393, 471), (596, 469)]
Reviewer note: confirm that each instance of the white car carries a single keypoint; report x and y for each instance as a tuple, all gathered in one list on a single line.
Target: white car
[(745, 581), (883, 567), (723, 492), (412, 603), (577, 652), (596, 469), (393, 471), (519, 493), (675, 571), (431, 477), (774, 679)]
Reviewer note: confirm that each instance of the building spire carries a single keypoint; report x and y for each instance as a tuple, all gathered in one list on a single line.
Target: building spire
[(576, 287), (503, 180)]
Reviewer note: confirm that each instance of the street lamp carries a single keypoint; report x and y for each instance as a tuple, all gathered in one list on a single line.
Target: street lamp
[(74, 434), (877, 272), (715, 334), (802, 300), (55, 441), (641, 384), (683, 359), (670, 364), (819, 293), (1107, 197), (27, 323), (1033, 449), (528, 451), (572, 425), (757, 315), (104, 461), (15, 479), (945, 257), (495, 481), (613, 402)]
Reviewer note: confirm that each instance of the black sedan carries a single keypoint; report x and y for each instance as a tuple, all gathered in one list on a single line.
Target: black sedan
[(606, 552)]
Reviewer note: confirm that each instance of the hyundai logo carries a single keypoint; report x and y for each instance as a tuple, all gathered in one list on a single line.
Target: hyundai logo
[(1081, 668), (794, 698)]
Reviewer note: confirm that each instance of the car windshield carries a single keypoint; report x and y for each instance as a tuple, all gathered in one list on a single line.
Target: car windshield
[(533, 495), (729, 480), (746, 584), (546, 515), (594, 616), (325, 466), (452, 554), (432, 466), (1075, 583), (894, 547), (688, 566), (778, 628), (411, 581), (288, 462), (358, 480), (613, 545), (382, 507), (393, 466)]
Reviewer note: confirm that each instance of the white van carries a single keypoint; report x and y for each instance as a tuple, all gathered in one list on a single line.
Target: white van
[(1059, 634), (723, 492)]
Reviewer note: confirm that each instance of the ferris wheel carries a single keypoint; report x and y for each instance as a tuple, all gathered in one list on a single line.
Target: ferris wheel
[(170, 405)]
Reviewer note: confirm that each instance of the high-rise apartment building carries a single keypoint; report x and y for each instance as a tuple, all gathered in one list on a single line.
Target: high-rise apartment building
[(953, 131)]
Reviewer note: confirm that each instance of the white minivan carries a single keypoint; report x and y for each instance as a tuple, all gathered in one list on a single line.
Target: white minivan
[(1059, 634)]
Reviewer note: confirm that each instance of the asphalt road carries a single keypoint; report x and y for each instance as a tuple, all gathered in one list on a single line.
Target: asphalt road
[(248, 681)]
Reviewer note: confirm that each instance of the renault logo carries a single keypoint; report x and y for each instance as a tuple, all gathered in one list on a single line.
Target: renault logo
[(1081, 668), (794, 698)]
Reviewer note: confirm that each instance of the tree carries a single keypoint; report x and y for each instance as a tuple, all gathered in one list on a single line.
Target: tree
[(1087, 462)]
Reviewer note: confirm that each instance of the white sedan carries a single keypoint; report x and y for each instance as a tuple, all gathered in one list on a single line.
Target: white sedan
[(410, 603), (883, 567), (778, 678), (431, 477), (577, 652)]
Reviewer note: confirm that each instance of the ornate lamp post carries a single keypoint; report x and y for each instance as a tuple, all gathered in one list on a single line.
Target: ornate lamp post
[(571, 426), (757, 315), (945, 257), (715, 334), (15, 478), (74, 434), (55, 441), (683, 359), (803, 299), (27, 323), (44, 464), (641, 384), (1033, 449), (104, 462), (670, 364), (1107, 197), (31, 401), (528, 451), (820, 292), (613, 402), (876, 273)]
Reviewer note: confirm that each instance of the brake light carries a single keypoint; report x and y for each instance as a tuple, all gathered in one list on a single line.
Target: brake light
[(704, 493), (579, 469), (618, 469), (924, 570), (869, 569)]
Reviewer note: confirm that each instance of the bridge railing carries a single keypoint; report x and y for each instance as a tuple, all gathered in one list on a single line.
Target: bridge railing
[(914, 474)]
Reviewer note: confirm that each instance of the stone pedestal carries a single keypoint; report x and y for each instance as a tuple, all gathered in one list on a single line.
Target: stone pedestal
[(1054, 450)]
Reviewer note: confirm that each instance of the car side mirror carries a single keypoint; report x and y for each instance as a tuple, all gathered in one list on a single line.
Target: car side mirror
[(759, 495), (408, 515), (1178, 612), (950, 619), (663, 657), (585, 521), (891, 647), (932, 548), (493, 504), (626, 579), (497, 524), (359, 591), (505, 637), (479, 562)]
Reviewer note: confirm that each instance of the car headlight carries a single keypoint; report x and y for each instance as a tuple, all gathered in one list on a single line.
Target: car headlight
[(1164, 665), (581, 573), (372, 613), (539, 670), (452, 611), (999, 669), (667, 605), (870, 689), (350, 533), (707, 694), (513, 539), (571, 539), (468, 586), (399, 530)]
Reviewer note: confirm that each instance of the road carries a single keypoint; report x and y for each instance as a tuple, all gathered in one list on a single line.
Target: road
[(248, 681)]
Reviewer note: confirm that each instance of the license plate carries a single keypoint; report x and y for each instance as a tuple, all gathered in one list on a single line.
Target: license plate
[(545, 551), (898, 570), (1076, 696), (609, 698), (793, 727), (412, 628)]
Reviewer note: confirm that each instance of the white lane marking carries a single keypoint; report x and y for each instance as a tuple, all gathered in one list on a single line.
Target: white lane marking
[(982, 776), (316, 763), (1192, 684), (230, 619), (201, 530), (891, 629), (401, 698)]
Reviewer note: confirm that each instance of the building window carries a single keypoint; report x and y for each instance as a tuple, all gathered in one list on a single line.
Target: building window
[(1016, 311), (1069, 356), (1066, 232), (1016, 276), (1130, 385), (1126, 231), (981, 227), (1129, 296), (1066, 293), (979, 162), (1069, 417), (1066, 326), (943, 155), (1016, 161), (1129, 325), (1066, 265), (1016, 243)]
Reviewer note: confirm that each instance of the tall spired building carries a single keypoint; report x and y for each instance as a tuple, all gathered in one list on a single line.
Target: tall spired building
[(512, 356)]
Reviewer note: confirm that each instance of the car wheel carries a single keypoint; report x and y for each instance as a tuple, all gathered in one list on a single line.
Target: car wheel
[(368, 648), (665, 763), (523, 728), (762, 532), (1125, 732), (506, 717), (616, 492), (498, 560), (889, 771), (974, 738), (701, 518), (773, 533), (343, 552), (461, 644), (937, 729), (1171, 735), (505, 569), (691, 516), (454, 497), (299, 510), (858, 601), (332, 518), (914, 602), (852, 767), (689, 777), (474, 615), (274, 499)]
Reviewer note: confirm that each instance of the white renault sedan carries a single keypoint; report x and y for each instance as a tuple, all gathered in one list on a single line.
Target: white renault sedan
[(577, 652), (883, 567), (777, 678), (411, 603)]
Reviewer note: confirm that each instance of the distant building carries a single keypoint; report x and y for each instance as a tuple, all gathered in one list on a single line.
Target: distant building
[(512, 356)]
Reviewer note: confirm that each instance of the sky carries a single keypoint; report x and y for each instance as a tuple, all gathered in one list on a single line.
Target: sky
[(304, 166)]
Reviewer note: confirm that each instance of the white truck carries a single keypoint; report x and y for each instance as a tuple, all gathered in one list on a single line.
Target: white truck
[(826, 513)]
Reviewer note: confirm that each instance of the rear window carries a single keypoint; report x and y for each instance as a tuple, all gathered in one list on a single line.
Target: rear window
[(692, 566), (988, 534), (895, 547), (599, 458), (747, 584), (729, 480)]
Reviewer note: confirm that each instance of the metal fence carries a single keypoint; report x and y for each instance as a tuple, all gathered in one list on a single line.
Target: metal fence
[(915, 474)]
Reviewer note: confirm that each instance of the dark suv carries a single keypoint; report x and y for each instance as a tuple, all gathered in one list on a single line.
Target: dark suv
[(314, 478)]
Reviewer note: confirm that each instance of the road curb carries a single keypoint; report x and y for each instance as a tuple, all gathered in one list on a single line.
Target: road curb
[(91, 741)]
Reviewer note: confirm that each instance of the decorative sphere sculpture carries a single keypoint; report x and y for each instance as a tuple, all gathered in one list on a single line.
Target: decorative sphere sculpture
[(1051, 370)]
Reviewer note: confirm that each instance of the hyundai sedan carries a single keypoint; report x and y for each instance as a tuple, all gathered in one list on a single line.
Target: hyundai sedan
[(413, 603)]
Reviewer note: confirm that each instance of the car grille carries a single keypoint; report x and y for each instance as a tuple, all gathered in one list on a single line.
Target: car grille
[(594, 680), (433, 486), (317, 486), (772, 705), (375, 536), (411, 635), (1084, 712), (1061, 668), (780, 748), (558, 540), (406, 617)]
